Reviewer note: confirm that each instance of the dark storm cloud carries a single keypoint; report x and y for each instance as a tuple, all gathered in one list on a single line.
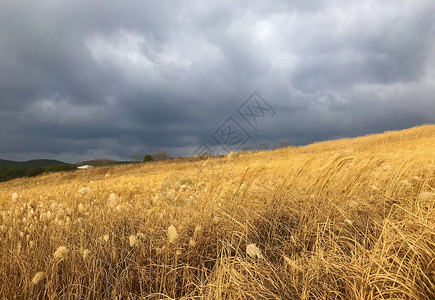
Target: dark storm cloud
[(81, 79), (395, 52)]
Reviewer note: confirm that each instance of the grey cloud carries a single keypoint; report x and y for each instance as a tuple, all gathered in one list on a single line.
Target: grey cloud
[(396, 50), (82, 79)]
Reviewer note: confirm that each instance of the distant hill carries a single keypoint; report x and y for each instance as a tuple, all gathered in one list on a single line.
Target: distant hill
[(101, 162), (34, 163), (14, 169)]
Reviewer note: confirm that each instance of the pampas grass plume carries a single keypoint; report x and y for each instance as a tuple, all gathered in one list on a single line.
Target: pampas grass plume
[(172, 234), (15, 197), (133, 240), (253, 251), (38, 277), (61, 253)]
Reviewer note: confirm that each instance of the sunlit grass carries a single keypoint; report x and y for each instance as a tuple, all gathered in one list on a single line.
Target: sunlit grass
[(346, 219)]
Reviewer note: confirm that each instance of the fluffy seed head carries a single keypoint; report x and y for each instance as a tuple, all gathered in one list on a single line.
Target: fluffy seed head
[(291, 263), (198, 231), (38, 277), (113, 197), (61, 253), (85, 253), (353, 204), (192, 243), (113, 200), (15, 197), (253, 251), (405, 183), (133, 240), (85, 190), (426, 196), (172, 234), (231, 155)]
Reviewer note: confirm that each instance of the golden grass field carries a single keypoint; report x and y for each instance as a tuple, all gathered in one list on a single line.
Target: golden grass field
[(345, 219)]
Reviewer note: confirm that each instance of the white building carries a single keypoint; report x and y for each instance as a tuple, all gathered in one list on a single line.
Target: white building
[(85, 167)]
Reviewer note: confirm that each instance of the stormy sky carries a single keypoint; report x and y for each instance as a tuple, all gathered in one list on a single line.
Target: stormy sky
[(110, 79)]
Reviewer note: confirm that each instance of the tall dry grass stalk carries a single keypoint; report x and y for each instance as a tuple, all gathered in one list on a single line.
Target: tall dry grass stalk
[(346, 219)]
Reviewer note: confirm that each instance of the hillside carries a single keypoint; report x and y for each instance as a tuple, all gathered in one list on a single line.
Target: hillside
[(35, 163), (13, 169), (344, 219), (102, 162)]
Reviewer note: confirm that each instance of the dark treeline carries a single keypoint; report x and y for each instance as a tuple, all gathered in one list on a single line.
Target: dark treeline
[(12, 172)]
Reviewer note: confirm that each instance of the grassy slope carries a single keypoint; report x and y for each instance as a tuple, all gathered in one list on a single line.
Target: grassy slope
[(346, 219)]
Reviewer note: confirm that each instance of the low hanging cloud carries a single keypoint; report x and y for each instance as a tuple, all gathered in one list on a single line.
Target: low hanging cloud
[(82, 80)]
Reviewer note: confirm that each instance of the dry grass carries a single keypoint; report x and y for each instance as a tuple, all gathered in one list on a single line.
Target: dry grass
[(347, 219)]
